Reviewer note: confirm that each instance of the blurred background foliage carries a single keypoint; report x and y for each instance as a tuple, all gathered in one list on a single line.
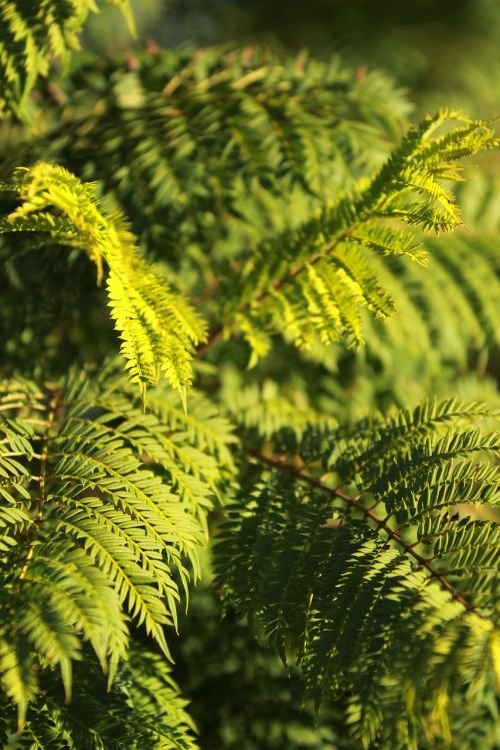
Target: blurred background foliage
[(445, 54), (443, 51)]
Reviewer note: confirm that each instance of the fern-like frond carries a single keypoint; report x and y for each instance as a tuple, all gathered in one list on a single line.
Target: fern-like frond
[(142, 711), (375, 564), (157, 326), (314, 281), (102, 510), (33, 33), (193, 448)]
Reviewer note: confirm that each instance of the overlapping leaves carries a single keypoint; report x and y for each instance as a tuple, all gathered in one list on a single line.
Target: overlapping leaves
[(375, 564), (100, 520), (313, 282)]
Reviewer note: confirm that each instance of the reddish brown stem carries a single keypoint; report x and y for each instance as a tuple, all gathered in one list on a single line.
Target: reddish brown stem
[(212, 339), (381, 523)]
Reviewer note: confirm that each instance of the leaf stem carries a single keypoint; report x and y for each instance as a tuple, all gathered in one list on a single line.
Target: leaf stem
[(55, 403)]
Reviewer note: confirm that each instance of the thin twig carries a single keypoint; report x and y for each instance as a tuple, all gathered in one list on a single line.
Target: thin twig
[(212, 339), (278, 284)]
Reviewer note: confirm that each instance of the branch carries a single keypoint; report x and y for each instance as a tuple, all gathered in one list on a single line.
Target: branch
[(212, 339), (276, 285), (354, 502)]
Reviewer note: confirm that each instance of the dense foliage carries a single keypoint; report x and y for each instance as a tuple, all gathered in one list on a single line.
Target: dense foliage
[(309, 341)]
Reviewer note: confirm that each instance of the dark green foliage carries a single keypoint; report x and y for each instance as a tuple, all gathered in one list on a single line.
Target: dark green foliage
[(372, 567), (89, 531), (242, 696), (151, 127), (142, 710), (278, 203)]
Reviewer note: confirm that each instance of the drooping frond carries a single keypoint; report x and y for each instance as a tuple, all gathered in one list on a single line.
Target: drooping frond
[(33, 33), (157, 326), (373, 560), (239, 688), (142, 711), (314, 281), (102, 512)]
